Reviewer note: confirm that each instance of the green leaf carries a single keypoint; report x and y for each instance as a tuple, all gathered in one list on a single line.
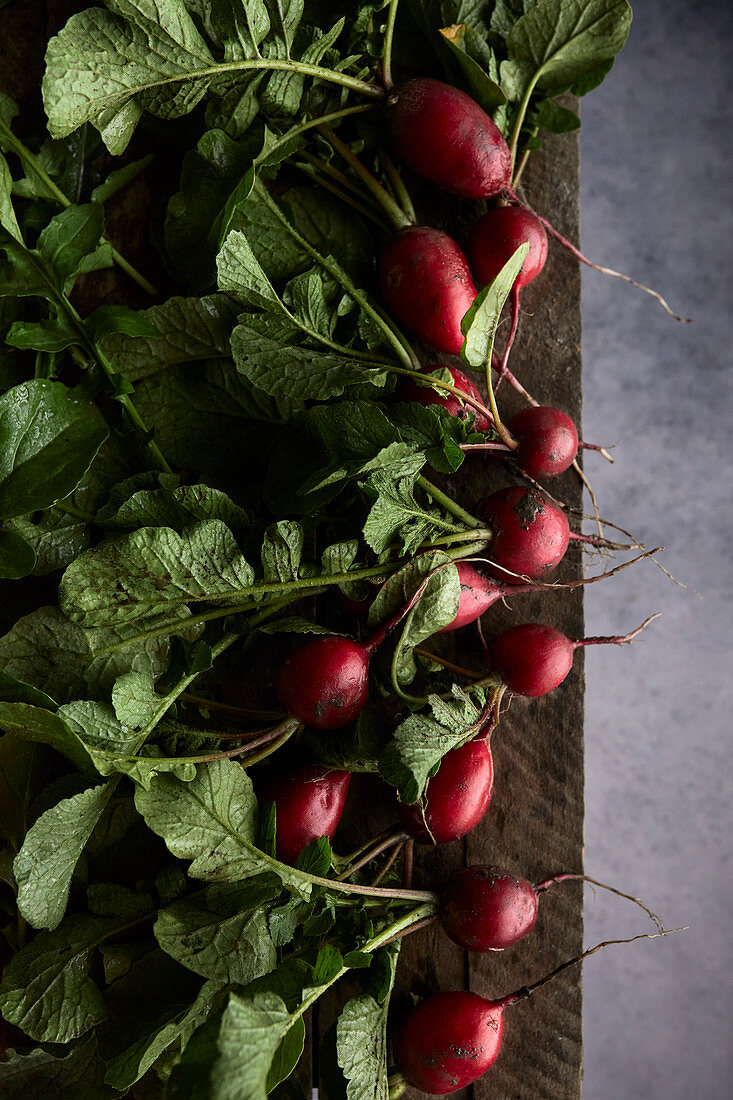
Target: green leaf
[(151, 1009), (361, 1044), (421, 742), (7, 214), (155, 571), (287, 1055), (436, 608), (109, 319), (21, 777), (107, 899), (134, 699), (555, 118), (480, 324), (222, 933), (40, 1075), (70, 236), (55, 537), (212, 821), (44, 865), (483, 89), (395, 513), (17, 556), (33, 723), (282, 550), (48, 440), (251, 1031), (240, 274), (187, 330), (172, 505), (557, 42), (50, 335), (106, 67), (297, 374), (47, 989)]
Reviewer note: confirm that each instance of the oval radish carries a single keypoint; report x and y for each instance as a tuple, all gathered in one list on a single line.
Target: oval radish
[(548, 440), (309, 801), (485, 909), (443, 134), (411, 390), (457, 796), (426, 282)]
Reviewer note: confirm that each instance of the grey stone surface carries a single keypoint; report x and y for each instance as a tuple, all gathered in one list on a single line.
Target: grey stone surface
[(656, 191)]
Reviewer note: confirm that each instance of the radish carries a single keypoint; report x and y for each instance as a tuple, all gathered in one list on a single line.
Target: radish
[(484, 909), (411, 390), (531, 534), (457, 796), (488, 910), (325, 683), (479, 593), (548, 440), (425, 280), (497, 236), (534, 659), (444, 135), (358, 608), (451, 1039), (309, 801)]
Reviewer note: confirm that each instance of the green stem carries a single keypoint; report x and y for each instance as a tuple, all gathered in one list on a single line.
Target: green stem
[(520, 117), (388, 40), (124, 398), (28, 158), (448, 503), (505, 436), (448, 387), (371, 945), (398, 185), (327, 184), (266, 64), (403, 350), (394, 212)]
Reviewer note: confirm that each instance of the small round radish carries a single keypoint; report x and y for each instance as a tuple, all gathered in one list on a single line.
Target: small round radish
[(326, 682), (534, 659), (531, 534), (309, 802), (425, 281), (488, 910), (497, 236), (444, 135), (548, 440), (448, 1041), (411, 390), (457, 796)]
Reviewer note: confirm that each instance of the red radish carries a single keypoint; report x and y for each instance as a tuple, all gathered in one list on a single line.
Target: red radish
[(488, 910), (309, 802), (534, 659), (457, 796), (451, 1039), (531, 534), (497, 236), (448, 1041), (478, 593), (425, 281), (325, 683), (359, 608), (444, 135), (548, 440), (484, 909), (411, 390)]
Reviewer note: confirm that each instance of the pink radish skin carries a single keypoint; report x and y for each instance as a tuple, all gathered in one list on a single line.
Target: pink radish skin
[(309, 802), (411, 390), (488, 910), (448, 1041), (497, 236), (531, 534), (548, 441), (534, 659), (479, 593), (426, 282), (457, 796), (444, 135)]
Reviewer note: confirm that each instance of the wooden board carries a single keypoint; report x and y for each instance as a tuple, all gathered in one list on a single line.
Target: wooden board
[(535, 823)]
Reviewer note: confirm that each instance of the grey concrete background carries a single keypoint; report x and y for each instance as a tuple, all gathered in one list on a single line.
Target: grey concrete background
[(657, 202)]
